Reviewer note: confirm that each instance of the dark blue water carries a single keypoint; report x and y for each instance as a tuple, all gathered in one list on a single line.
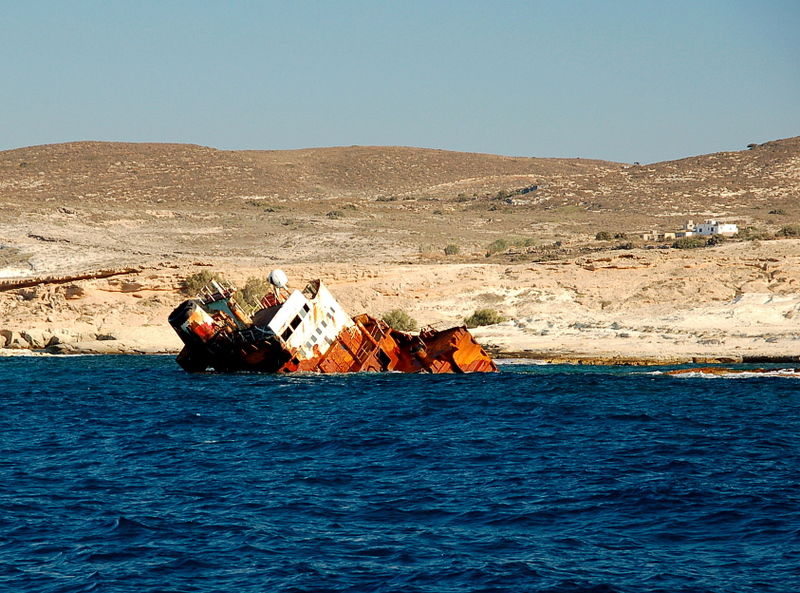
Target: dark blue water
[(126, 474)]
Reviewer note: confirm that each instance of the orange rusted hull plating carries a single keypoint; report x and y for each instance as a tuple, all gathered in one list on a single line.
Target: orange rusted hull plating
[(310, 332), (374, 346)]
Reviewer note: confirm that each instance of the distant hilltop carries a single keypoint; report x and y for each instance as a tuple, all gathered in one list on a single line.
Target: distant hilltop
[(763, 176)]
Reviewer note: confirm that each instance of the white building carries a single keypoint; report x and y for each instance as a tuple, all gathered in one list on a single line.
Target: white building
[(713, 227), (687, 231)]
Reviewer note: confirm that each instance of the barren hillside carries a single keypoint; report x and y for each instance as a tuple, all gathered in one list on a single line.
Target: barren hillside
[(85, 205)]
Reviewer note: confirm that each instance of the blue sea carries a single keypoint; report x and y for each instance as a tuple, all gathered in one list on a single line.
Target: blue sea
[(127, 474)]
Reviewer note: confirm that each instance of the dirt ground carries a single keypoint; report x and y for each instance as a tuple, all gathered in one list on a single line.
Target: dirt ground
[(96, 238)]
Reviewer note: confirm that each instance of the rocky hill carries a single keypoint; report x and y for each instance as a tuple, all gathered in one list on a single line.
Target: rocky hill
[(89, 204)]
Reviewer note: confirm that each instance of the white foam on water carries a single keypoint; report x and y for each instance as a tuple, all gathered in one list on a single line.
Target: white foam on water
[(781, 373), (501, 362)]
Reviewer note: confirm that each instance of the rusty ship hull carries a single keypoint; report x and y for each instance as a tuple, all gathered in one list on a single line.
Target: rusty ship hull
[(309, 331)]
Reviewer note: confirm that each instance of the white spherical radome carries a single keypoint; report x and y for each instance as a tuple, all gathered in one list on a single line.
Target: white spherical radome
[(278, 278)]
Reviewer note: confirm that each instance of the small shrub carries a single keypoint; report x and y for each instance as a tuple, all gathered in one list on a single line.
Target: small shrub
[(603, 236), (335, 214), (496, 246), (499, 245), (626, 245), (400, 320), (452, 249), (752, 233), (194, 283), (716, 240), (483, 317), (690, 242), (350, 206), (778, 211), (791, 230), (255, 288)]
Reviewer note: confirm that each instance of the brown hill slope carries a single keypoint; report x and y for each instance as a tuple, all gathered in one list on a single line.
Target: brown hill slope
[(104, 171), (89, 204), (145, 173), (733, 184)]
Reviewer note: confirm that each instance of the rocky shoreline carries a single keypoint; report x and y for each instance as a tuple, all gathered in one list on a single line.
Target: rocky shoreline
[(103, 345), (734, 304), (612, 360)]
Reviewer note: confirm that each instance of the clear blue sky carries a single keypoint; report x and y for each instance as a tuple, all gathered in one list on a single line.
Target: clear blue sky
[(620, 80)]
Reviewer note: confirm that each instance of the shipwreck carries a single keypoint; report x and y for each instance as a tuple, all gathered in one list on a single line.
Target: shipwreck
[(308, 330)]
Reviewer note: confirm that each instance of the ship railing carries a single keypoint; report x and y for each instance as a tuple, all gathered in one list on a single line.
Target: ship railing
[(216, 290), (265, 302), (366, 350), (370, 346), (254, 334)]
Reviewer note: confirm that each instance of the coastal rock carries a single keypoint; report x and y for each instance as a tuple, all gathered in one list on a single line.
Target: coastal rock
[(28, 294), (36, 338), (63, 336), (42, 338), (131, 286), (73, 292), (12, 339), (91, 347)]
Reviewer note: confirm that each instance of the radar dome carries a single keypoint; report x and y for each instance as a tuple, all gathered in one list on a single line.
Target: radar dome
[(278, 278)]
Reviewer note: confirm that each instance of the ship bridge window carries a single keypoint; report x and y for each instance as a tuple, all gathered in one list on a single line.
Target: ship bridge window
[(290, 328)]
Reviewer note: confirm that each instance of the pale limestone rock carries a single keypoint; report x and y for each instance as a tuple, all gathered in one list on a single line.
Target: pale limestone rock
[(36, 338), (13, 339)]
